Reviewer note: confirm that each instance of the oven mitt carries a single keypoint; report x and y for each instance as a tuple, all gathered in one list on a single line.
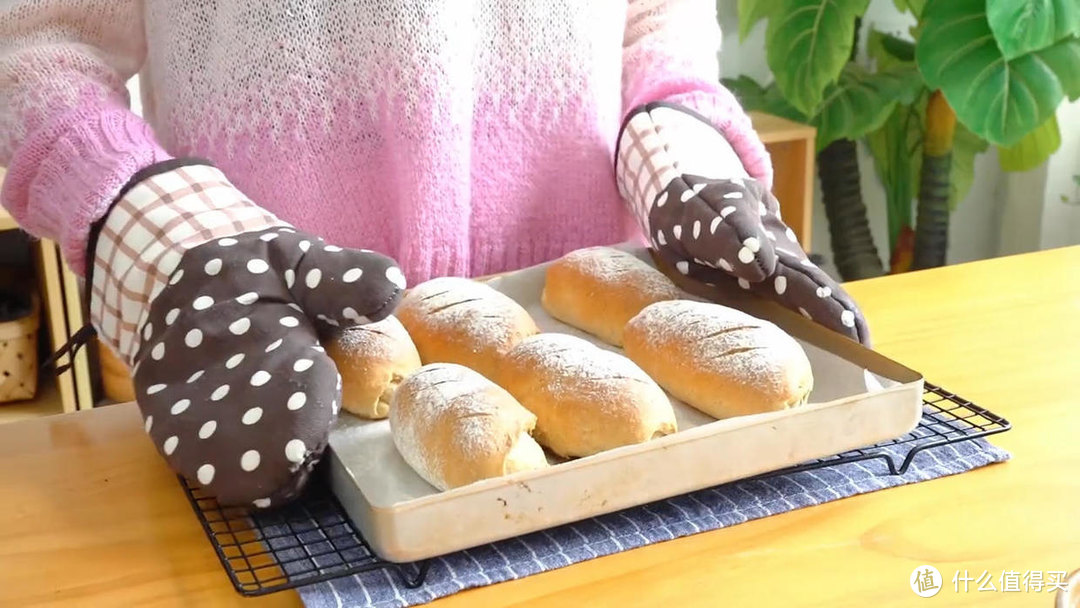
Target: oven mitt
[(707, 217), (217, 305)]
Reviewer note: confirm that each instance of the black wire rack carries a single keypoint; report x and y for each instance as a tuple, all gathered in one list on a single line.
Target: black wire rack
[(312, 539)]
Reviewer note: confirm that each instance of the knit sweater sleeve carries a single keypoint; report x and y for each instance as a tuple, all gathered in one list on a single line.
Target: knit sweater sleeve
[(670, 54), (67, 135)]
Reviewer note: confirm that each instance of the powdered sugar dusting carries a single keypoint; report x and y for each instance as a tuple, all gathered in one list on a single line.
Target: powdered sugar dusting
[(458, 305), (577, 369), (447, 393), (618, 267), (569, 356), (376, 340), (725, 341)]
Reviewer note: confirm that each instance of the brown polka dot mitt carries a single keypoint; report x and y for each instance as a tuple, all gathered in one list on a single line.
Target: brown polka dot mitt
[(730, 230), (236, 391), (714, 223)]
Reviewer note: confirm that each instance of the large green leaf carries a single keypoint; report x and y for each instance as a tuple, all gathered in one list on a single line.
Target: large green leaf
[(894, 147), (749, 92), (752, 11), (966, 146), (861, 101), (1063, 59), (889, 51), (892, 161), (1023, 26), (915, 6), (755, 98), (1000, 100), (807, 44), (1034, 149)]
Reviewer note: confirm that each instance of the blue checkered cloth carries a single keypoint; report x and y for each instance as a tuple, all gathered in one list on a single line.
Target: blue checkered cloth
[(710, 509)]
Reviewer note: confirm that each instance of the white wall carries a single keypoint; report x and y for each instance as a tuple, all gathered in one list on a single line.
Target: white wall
[(974, 227), (1061, 220)]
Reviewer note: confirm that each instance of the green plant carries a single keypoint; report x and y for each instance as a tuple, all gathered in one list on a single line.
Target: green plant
[(977, 73)]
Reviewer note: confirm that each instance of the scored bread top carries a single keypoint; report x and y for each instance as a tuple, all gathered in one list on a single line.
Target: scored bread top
[(453, 426), (372, 360), (586, 399), (381, 340), (615, 266), (577, 363), (459, 320), (599, 289), (691, 343)]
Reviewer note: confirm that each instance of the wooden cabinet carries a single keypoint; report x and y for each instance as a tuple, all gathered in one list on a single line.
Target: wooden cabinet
[(62, 316), (791, 146)]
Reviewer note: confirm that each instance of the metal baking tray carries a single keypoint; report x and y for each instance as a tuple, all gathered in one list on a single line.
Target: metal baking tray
[(860, 398)]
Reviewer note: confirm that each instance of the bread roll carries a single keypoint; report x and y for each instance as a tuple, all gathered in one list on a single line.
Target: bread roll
[(455, 427), (719, 360), (373, 359), (599, 289), (586, 399), (457, 320)]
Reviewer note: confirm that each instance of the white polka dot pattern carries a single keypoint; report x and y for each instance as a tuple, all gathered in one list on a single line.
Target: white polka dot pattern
[(296, 401), (746, 244), (252, 416), (251, 420), (205, 474), (250, 460), (180, 407), (240, 326), (207, 429), (193, 338), (295, 450)]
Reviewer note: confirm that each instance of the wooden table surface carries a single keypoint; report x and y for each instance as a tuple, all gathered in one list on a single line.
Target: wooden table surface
[(91, 516)]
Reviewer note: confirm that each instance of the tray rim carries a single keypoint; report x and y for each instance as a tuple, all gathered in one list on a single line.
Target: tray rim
[(702, 432)]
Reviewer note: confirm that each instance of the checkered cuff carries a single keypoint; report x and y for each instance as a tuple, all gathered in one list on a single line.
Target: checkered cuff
[(146, 233), (661, 142)]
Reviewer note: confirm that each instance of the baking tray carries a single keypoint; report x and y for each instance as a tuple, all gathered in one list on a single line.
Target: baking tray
[(860, 398)]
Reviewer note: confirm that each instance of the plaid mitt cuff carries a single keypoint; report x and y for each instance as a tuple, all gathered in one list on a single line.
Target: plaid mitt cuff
[(166, 210), (658, 144)]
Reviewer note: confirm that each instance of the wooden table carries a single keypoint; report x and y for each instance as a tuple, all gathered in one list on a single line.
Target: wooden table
[(92, 516)]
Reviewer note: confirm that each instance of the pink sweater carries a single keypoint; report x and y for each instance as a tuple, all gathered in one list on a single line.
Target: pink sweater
[(461, 138)]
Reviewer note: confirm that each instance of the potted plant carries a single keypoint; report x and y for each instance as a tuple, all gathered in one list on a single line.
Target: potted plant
[(975, 73)]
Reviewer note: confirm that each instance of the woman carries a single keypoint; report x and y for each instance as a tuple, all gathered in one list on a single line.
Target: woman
[(457, 138)]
